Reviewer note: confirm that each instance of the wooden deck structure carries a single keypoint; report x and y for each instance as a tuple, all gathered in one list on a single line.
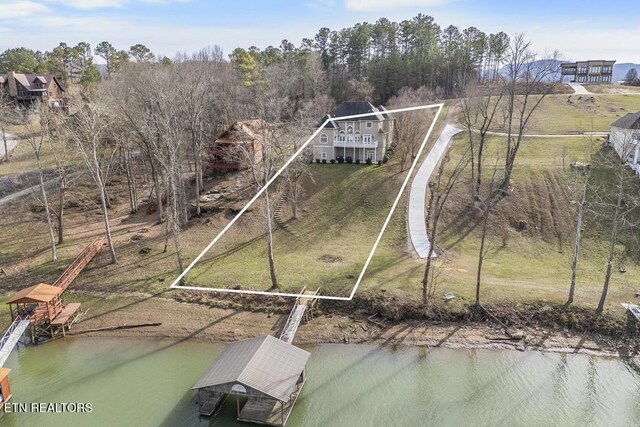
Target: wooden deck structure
[(266, 370), (5, 389), (42, 305)]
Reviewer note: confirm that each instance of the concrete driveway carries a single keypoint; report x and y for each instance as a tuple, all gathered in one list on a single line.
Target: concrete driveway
[(12, 142), (417, 197)]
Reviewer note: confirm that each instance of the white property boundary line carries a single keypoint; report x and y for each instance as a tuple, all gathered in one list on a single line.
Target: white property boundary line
[(175, 284)]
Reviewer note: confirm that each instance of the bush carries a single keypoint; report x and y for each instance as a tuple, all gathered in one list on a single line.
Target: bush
[(340, 159), (317, 160), (357, 161), (333, 161), (369, 161), (324, 161), (349, 159), (379, 162)]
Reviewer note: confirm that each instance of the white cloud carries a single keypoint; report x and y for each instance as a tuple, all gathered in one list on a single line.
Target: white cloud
[(20, 9), (91, 4), (381, 5)]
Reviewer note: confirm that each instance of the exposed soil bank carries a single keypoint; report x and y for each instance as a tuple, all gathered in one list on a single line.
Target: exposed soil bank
[(232, 318)]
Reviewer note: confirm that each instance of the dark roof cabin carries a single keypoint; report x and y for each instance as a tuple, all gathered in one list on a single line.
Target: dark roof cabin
[(28, 88), (229, 151), (267, 371)]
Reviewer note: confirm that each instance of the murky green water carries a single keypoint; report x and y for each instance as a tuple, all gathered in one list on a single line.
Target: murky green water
[(147, 383)]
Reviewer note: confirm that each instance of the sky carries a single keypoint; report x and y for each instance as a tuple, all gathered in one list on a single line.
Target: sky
[(603, 30)]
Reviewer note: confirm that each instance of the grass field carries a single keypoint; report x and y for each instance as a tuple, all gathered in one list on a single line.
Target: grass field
[(560, 114), (340, 218)]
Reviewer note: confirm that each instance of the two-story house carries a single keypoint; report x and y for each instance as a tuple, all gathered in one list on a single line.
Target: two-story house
[(364, 138), (28, 88)]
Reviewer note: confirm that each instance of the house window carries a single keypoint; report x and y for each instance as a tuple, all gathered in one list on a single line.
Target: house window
[(349, 129), (323, 156), (595, 69), (582, 70), (366, 138), (323, 138), (369, 125)]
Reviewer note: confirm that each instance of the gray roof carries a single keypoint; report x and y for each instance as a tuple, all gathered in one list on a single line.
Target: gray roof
[(352, 108), (629, 121), (266, 364)]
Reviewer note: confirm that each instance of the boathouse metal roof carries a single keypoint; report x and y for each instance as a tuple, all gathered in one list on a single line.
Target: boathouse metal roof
[(266, 364), (37, 293)]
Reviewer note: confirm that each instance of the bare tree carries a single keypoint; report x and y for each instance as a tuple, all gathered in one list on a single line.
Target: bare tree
[(51, 124), (8, 116), (440, 190), (410, 126), (529, 79), (33, 127), (479, 108), (618, 203), (260, 153), (88, 129), (484, 206), (580, 189)]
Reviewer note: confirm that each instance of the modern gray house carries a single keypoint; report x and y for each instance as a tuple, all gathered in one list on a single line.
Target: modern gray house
[(364, 138), (592, 71), (625, 139)]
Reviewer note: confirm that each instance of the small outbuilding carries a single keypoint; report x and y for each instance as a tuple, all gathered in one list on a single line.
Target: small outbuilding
[(40, 303), (264, 373)]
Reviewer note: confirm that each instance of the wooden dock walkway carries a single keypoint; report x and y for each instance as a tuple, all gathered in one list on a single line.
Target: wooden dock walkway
[(79, 264), (303, 302)]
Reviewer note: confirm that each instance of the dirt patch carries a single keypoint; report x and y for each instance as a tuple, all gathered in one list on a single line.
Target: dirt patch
[(545, 328), (330, 259)]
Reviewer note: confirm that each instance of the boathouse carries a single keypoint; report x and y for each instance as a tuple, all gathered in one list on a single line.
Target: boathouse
[(264, 374)]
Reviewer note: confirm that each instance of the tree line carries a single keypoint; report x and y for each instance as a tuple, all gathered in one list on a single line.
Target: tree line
[(72, 64), (372, 60)]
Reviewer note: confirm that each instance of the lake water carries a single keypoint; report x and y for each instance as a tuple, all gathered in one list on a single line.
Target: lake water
[(147, 383)]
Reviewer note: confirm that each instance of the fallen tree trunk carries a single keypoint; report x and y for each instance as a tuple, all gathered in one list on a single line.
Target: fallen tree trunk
[(115, 328)]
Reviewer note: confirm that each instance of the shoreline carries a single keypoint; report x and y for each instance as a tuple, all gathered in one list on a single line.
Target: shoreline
[(196, 322)]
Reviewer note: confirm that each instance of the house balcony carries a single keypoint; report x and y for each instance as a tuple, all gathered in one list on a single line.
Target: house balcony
[(354, 142)]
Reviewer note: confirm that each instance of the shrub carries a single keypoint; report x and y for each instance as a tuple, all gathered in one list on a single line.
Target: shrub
[(379, 162), (324, 161), (357, 161), (333, 161), (340, 159), (317, 160), (369, 161), (349, 159)]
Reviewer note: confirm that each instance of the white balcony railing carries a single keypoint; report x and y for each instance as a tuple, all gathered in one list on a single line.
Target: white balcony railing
[(354, 141)]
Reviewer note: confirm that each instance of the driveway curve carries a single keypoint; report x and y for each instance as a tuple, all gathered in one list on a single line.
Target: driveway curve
[(417, 196)]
